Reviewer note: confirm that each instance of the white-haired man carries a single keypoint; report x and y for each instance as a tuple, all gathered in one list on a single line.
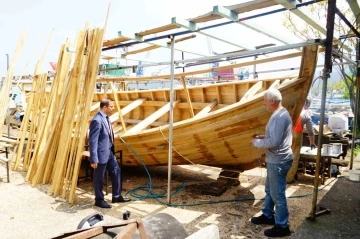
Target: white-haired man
[(279, 157)]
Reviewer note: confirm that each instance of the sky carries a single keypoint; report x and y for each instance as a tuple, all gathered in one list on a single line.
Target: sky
[(40, 17)]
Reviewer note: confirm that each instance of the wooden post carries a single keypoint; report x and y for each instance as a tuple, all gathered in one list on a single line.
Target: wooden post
[(118, 106), (187, 96)]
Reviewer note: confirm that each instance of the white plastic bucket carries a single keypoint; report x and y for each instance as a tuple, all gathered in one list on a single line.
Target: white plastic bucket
[(336, 148), (338, 122), (354, 175), (326, 148)]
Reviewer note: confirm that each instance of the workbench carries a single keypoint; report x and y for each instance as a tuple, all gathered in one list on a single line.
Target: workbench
[(325, 160)]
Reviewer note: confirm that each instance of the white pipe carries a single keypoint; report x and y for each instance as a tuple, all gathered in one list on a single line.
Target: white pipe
[(172, 72)]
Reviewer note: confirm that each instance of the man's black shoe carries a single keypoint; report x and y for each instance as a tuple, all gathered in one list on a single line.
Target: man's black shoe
[(102, 204), (120, 199), (277, 231), (263, 220)]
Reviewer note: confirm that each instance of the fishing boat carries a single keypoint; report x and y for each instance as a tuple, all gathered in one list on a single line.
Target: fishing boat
[(212, 124)]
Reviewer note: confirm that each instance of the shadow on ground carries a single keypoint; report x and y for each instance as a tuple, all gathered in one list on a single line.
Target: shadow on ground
[(343, 200)]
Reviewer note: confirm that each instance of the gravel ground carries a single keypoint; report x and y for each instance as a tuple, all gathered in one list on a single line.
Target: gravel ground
[(31, 212)]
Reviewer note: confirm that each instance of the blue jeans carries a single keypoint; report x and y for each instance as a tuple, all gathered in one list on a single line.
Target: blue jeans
[(275, 187)]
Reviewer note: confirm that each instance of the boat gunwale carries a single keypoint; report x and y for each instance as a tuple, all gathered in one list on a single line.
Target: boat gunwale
[(209, 116)]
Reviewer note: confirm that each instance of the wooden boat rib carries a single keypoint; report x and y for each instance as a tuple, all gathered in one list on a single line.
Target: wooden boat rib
[(213, 124)]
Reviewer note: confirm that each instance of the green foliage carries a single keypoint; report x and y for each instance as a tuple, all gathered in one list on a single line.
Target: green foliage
[(356, 150), (340, 87)]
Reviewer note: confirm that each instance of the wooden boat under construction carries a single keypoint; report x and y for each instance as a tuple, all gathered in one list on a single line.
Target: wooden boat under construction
[(212, 124)]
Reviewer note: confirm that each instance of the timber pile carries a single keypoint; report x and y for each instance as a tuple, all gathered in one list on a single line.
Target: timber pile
[(6, 85), (58, 122)]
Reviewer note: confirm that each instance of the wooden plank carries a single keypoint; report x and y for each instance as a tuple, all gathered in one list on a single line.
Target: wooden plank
[(307, 71), (252, 91), (236, 96), (88, 233), (275, 84), (118, 106), (149, 48), (141, 229), (218, 93), (238, 8), (157, 30), (115, 41), (155, 124), (188, 99), (127, 109), (127, 232), (207, 109), (95, 106), (7, 83), (146, 122)]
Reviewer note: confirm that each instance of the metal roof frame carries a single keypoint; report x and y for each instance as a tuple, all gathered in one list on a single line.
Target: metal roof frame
[(292, 6), (355, 9)]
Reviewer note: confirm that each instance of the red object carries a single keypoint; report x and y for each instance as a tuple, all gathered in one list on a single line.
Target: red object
[(53, 65), (298, 128), (226, 74)]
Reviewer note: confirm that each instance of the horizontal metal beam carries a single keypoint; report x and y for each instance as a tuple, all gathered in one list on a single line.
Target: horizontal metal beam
[(337, 11), (291, 5), (227, 56), (140, 39), (209, 27), (233, 16), (194, 28), (252, 52), (355, 9)]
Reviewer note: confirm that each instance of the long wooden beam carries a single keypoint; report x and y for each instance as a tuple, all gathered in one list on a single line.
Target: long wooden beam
[(154, 116), (167, 46), (252, 91), (149, 48), (238, 8), (95, 106), (127, 109), (189, 73), (115, 41), (118, 106), (187, 97), (207, 109)]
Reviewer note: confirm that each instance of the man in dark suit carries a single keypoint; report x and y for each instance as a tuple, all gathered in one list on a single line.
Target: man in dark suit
[(101, 144)]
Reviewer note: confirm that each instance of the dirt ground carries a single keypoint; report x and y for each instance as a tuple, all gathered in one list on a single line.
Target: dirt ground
[(32, 213)]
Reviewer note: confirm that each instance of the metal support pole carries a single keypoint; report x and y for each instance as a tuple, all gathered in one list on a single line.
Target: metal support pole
[(8, 116), (172, 69), (254, 70), (356, 107), (326, 74)]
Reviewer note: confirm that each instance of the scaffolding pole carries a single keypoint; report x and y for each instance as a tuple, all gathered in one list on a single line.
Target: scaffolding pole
[(171, 113), (326, 74), (356, 107)]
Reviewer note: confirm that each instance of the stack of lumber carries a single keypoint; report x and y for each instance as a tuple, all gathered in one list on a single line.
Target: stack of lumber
[(6, 84), (60, 119)]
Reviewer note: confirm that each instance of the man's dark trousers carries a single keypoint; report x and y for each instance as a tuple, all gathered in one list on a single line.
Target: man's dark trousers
[(113, 168)]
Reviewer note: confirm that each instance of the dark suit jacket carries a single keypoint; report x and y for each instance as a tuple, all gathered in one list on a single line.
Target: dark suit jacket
[(99, 140)]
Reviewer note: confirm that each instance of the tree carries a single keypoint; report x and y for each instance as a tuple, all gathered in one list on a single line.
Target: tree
[(302, 30), (340, 88)]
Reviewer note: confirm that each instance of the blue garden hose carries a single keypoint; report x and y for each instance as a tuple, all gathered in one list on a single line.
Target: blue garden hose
[(147, 190)]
